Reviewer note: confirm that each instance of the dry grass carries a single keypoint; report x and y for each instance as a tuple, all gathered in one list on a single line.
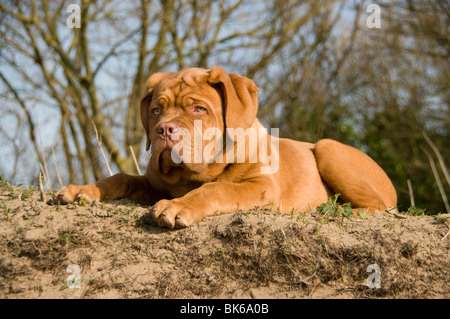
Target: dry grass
[(257, 254)]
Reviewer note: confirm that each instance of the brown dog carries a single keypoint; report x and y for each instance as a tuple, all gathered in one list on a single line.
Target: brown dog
[(188, 179)]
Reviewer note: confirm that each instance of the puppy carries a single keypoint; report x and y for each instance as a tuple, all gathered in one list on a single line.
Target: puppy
[(210, 155)]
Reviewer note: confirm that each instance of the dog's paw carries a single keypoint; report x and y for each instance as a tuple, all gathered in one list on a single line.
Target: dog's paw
[(75, 193), (172, 214)]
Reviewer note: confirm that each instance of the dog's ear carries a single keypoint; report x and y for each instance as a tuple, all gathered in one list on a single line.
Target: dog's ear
[(240, 96), (151, 83)]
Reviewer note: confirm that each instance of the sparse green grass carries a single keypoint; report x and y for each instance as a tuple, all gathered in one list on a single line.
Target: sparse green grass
[(58, 207), (362, 213), (7, 186), (219, 252), (3, 181), (123, 220), (333, 209), (441, 219), (6, 212), (66, 238), (415, 211), (26, 193), (107, 235)]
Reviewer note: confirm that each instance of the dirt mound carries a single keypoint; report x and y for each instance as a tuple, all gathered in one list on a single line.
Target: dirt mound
[(110, 250)]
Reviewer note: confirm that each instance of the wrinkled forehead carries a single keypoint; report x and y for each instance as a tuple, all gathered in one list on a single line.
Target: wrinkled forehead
[(182, 81)]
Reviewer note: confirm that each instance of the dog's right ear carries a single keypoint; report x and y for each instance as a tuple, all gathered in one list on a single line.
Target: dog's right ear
[(151, 83)]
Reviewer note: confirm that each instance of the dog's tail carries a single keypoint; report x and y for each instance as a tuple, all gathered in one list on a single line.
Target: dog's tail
[(354, 175)]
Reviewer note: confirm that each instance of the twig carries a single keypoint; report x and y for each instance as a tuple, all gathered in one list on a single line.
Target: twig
[(36, 248), (44, 175), (411, 193), (41, 187), (284, 235), (101, 149), (447, 233), (6, 244), (392, 212), (135, 161), (44, 164), (56, 168), (439, 157), (438, 180)]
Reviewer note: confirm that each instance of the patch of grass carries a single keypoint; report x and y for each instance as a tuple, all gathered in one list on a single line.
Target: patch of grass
[(8, 211), (26, 193), (219, 252), (415, 211), (58, 207), (123, 220), (129, 211), (5, 185), (441, 219), (66, 238), (107, 235), (362, 213), (334, 209), (3, 181)]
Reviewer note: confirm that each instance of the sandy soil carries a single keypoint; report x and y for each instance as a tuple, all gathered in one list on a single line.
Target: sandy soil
[(112, 251)]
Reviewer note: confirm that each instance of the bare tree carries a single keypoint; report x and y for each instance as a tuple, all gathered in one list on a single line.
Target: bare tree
[(322, 72), (94, 76)]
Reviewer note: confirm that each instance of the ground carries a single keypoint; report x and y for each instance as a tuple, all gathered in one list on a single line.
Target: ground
[(111, 250)]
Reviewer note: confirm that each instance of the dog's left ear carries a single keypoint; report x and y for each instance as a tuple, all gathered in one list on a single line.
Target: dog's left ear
[(152, 82), (240, 97)]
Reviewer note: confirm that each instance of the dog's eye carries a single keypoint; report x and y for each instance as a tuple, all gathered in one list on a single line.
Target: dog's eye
[(156, 111), (200, 109)]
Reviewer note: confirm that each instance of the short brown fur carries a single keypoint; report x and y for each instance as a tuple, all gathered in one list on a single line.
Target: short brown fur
[(182, 194)]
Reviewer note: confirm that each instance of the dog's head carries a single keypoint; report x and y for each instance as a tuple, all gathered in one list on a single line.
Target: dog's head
[(180, 110)]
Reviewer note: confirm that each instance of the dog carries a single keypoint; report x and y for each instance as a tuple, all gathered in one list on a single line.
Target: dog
[(190, 178)]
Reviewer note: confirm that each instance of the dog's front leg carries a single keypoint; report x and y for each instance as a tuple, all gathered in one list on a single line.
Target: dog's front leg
[(212, 199), (118, 186)]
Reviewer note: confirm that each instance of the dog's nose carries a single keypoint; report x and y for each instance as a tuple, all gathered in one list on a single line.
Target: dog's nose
[(165, 130)]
